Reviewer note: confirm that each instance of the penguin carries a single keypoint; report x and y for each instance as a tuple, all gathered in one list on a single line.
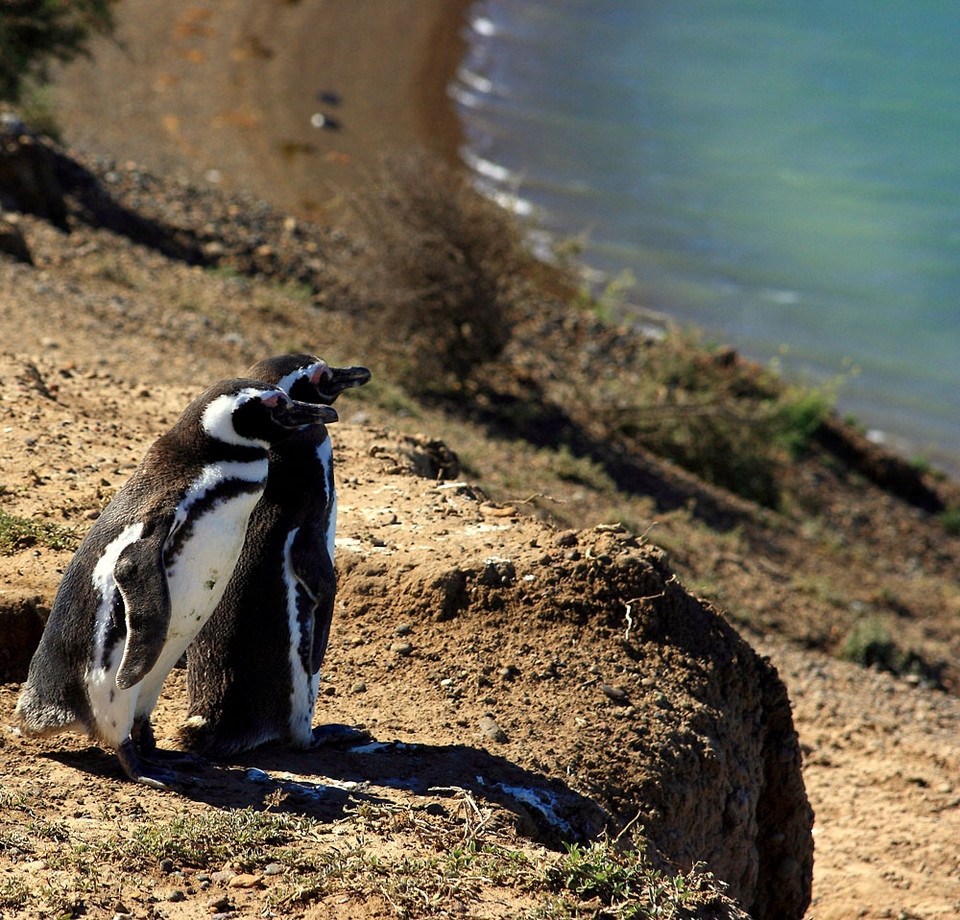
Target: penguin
[(152, 569), (254, 670)]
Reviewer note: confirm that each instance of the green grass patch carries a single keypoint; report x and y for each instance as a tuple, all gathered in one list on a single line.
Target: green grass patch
[(245, 837), (18, 533)]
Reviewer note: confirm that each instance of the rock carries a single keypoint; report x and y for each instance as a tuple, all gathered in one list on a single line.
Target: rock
[(428, 457), (401, 648), (617, 694), (489, 727), (219, 904), (244, 880)]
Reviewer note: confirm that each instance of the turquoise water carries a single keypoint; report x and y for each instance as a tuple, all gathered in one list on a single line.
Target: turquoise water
[(786, 176)]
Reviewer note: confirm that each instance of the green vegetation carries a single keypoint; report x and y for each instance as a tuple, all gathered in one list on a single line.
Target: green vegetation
[(435, 861), (870, 644), (624, 885), (17, 533), (950, 519), (35, 32)]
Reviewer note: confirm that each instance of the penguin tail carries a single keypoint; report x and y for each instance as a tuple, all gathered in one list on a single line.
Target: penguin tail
[(200, 736), (38, 716)]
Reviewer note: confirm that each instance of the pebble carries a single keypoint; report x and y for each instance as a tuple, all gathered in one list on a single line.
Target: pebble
[(488, 725), (244, 880), (617, 694), (404, 629), (218, 905), (401, 648), (273, 869), (359, 687), (173, 895)]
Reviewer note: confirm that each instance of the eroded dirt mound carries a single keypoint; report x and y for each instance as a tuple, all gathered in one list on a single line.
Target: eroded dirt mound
[(580, 656)]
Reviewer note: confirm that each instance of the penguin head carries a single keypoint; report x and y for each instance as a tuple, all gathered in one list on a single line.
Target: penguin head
[(250, 412), (308, 378)]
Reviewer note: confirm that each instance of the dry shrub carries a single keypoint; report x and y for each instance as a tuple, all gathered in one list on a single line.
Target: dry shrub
[(445, 267)]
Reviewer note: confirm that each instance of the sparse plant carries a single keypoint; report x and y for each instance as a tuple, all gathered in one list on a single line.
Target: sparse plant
[(870, 644), (950, 520), (625, 884), (14, 894), (17, 533), (214, 837), (442, 262)]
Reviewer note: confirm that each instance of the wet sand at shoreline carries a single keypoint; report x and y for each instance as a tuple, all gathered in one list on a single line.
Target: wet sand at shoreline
[(226, 92)]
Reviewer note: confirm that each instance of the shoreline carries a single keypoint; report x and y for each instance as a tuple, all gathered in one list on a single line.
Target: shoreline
[(225, 95)]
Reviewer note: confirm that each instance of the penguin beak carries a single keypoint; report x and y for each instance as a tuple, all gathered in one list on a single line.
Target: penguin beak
[(302, 415), (334, 380)]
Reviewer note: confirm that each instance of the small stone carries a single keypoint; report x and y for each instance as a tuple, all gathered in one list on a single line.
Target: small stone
[(173, 895), (571, 555), (273, 869), (401, 648), (359, 687), (223, 876), (244, 880), (617, 694), (488, 725), (219, 904), (566, 538), (404, 629), (509, 672), (166, 865)]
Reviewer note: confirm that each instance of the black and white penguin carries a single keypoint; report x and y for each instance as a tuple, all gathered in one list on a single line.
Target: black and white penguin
[(152, 569), (254, 670)]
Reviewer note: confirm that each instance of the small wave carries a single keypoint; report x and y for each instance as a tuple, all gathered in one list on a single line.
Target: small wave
[(474, 81), (462, 96), (507, 200), (483, 26), (489, 170)]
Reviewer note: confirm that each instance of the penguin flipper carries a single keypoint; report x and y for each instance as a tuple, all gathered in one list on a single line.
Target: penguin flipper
[(142, 580), (315, 573)]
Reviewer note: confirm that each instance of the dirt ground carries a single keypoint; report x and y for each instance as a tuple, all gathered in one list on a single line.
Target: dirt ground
[(114, 359), (881, 757)]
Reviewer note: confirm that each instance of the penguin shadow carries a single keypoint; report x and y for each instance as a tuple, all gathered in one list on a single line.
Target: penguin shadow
[(328, 781), (323, 781)]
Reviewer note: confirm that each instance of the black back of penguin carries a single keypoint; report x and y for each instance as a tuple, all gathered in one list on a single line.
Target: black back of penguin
[(227, 429), (253, 671)]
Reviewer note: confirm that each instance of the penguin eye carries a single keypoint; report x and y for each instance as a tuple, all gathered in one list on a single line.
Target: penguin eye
[(273, 399)]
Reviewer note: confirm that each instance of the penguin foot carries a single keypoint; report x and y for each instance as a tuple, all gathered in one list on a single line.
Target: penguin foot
[(336, 734), (144, 771)]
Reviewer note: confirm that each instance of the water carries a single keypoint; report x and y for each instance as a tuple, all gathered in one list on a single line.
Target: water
[(784, 176)]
